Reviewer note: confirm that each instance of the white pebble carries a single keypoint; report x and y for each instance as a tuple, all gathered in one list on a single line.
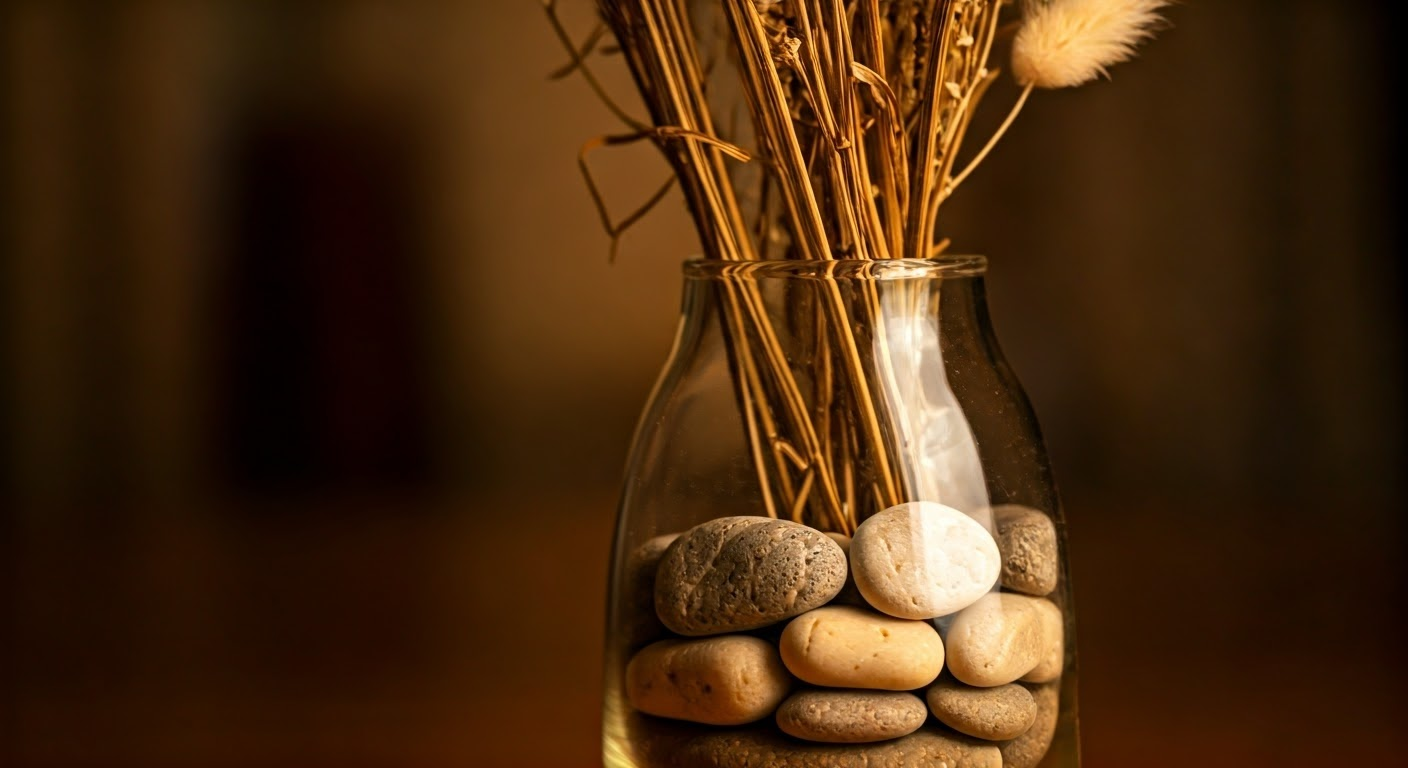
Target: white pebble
[(922, 560)]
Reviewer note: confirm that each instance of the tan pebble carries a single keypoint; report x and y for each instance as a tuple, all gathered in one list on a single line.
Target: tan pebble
[(842, 646), (728, 680), (841, 540), (738, 573), (849, 594), (1026, 750), (996, 640), (642, 625), (922, 560), (1026, 538), (850, 716), (927, 747), (1053, 631), (995, 714), (647, 555)]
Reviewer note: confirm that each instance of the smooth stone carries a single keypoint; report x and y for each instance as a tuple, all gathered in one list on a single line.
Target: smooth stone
[(842, 646), (922, 560), (739, 573), (849, 594), (642, 625), (996, 640), (1026, 538), (647, 556), (728, 680), (1027, 750), (1053, 632), (766, 748), (850, 717), (994, 714)]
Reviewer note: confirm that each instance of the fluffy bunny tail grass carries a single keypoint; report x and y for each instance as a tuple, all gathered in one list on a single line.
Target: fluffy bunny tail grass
[(1064, 43)]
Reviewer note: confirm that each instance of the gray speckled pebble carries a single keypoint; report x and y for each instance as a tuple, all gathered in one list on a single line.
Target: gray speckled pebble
[(995, 714), (849, 716), (1026, 750), (739, 573), (1027, 540)]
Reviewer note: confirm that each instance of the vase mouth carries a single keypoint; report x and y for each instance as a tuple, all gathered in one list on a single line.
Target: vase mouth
[(943, 267)]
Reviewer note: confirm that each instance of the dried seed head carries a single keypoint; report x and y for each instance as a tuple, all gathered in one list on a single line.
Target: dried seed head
[(1064, 43)]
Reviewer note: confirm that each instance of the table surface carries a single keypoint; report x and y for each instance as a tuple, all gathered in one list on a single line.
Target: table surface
[(468, 631)]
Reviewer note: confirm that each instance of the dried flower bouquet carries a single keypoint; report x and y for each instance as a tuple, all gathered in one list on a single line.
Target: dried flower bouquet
[(859, 115), (908, 601)]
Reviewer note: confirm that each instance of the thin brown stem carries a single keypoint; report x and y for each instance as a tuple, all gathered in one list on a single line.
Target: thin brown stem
[(858, 111), (992, 141), (578, 63)]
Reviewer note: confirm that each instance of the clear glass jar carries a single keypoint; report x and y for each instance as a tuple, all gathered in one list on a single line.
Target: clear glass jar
[(816, 402)]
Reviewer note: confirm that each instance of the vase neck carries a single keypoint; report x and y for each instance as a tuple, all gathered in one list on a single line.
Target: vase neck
[(860, 304)]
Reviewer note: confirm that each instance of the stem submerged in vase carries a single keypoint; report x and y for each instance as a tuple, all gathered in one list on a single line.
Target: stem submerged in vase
[(835, 385)]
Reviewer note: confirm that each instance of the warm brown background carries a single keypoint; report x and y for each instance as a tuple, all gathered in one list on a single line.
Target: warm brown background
[(317, 383)]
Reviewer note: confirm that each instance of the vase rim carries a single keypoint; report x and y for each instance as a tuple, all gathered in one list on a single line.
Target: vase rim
[(948, 266)]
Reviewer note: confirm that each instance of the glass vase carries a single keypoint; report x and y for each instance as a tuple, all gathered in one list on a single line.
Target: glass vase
[(839, 542)]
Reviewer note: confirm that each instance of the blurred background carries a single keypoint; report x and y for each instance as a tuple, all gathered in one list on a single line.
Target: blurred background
[(317, 383)]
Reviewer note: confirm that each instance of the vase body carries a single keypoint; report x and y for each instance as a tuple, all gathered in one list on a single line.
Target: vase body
[(822, 395)]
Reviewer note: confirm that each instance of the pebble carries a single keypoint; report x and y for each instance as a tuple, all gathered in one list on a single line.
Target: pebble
[(642, 625), (996, 640), (843, 646), (647, 556), (1026, 750), (850, 717), (754, 748), (739, 573), (849, 594), (1026, 538), (729, 680), (1053, 632), (995, 714), (922, 560)]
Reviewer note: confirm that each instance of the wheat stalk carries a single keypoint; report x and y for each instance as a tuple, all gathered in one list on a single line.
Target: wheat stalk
[(858, 113)]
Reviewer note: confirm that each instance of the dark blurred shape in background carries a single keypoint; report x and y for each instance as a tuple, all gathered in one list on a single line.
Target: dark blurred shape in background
[(323, 357), (317, 383)]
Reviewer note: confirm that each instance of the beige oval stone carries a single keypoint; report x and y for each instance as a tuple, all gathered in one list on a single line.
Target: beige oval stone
[(728, 680), (734, 574), (1027, 750), (646, 557), (922, 560), (1026, 538), (996, 640), (1053, 632), (641, 623), (994, 714), (757, 747), (848, 595), (850, 716), (843, 646)]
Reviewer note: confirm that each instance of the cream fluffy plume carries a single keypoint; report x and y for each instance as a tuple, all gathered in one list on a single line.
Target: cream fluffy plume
[(1064, 43)]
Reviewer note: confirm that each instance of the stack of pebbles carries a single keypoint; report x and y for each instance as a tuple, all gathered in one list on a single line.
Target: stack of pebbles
[(858, 666)]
